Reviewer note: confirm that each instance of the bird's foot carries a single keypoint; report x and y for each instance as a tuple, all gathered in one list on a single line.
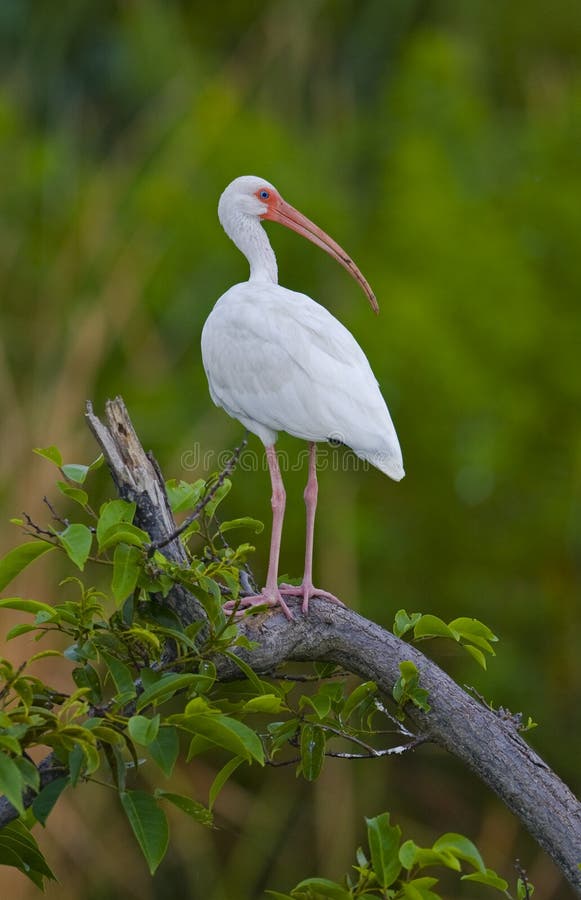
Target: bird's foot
[(266, 597), (306, 590)]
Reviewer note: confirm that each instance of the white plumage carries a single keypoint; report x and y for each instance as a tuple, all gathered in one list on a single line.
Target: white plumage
[(278, 361)]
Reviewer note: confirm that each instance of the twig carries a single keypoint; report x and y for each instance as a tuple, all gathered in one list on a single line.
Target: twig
[(281, 676), (376, 754), (37, 530), (385, 751), (372, 751), (226, 471), (54, 513), (380, 707), (521, 872)]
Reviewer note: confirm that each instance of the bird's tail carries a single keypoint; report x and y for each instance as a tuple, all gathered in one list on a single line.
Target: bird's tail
[(385, 461)]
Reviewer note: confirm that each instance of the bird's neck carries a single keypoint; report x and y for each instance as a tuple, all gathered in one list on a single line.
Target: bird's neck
[(252, 240)]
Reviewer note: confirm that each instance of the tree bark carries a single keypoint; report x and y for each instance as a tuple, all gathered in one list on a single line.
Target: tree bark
[(486, 741), (137, 477)]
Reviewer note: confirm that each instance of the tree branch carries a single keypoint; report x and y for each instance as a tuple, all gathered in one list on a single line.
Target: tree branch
[(488, 743)]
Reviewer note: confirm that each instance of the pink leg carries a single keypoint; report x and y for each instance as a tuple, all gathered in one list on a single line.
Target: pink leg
[(270, 594), (306, 590), (311, 496)]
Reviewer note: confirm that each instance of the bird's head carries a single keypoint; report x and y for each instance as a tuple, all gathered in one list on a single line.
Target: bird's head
[(246, 196), (250, 197)]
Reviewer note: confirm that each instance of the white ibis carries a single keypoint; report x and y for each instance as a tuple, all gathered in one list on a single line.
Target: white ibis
[(278, 361)]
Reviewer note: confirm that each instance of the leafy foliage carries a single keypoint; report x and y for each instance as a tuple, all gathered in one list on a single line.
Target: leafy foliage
[(407, 688), (394, 869), (144, 685), (473, 635)]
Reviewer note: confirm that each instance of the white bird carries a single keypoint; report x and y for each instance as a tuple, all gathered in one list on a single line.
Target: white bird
[(278, 361)]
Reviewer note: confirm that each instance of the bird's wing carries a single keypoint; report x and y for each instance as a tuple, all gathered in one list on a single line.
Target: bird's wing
[(276, 357)]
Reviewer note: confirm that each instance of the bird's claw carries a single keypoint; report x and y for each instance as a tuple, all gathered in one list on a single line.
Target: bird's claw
[(271, 598), (306, 590)]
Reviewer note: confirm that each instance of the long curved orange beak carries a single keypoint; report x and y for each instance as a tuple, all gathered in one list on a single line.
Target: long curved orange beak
[(278, 210)]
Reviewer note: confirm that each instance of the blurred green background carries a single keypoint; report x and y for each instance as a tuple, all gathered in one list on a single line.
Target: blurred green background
[(440, 143)]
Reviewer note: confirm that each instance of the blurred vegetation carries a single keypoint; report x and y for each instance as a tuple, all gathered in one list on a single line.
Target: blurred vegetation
[(439, 143)]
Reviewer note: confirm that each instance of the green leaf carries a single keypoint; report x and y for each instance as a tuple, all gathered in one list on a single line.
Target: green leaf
[(18, 559), (76, 472), (9, 742), (432, 626), (524, 891), (77, 540), (120, 674), (322, 887), (361, 693), (408, 670), (222, 777), (23, 605), (384, 842), (165, 748), (312, 750), (112, 513), (76, 762), (86, 677), (29, 772), (165, 688), (199, 745), (51, 453), (149, 825), (243, 522), (214, 503), (43, 804), (18, 630), (460, 847), (282, 732), (266, 703), (143, 730), (9, 856), (18, 848), (24, 690), (472, 628), (320, 703), (76, 494), (325, 669), (123, 533), (411, 855), (406, 689), (197, 811), (408, 854), (183, 495), (419, 889), (261, 687), (404, 622), (11, 782), (97, 463), (126, 569), (477, 654), (228, 733), (488, 877)]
